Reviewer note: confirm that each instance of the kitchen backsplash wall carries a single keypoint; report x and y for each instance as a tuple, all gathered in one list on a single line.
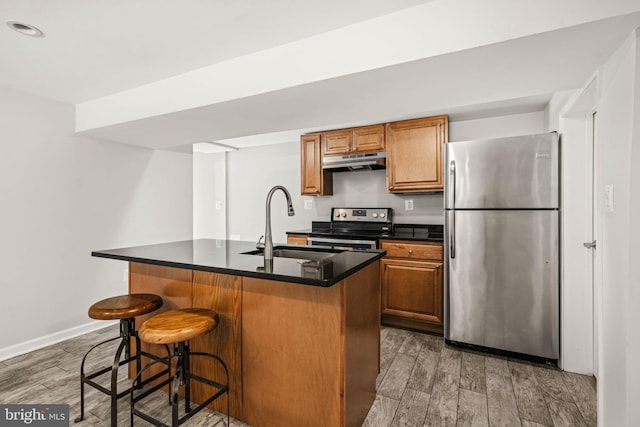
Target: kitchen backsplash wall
[(369, 189)]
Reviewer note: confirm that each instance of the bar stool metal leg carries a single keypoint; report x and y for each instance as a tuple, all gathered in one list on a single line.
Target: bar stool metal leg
[(182, 375), (127, 331), (88, 378), (124, 308)]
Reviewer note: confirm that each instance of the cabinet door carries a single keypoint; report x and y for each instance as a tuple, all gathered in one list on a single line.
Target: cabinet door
[(337, 142), (368, 138), (414, 154), (314, 181), (412, 290)]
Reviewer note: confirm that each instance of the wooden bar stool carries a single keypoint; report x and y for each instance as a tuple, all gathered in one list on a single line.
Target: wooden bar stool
[(177, 327), (125, 308)]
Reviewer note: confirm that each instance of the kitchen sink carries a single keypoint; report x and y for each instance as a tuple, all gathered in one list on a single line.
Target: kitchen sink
[(297, 253)]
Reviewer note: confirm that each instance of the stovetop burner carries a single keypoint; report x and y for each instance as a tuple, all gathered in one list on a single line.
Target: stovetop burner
[(361, 229)]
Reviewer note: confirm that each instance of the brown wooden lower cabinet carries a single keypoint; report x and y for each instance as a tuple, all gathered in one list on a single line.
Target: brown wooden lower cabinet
[(412, 285)]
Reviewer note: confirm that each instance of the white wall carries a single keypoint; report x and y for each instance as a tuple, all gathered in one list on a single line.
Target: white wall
[(209, 196), (496, 127), (633, 284), (251, 172), (62, 196), (615, 93), (618, 135)]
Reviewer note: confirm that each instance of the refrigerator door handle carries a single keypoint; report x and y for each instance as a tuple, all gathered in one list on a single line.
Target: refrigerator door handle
[(452, 234), (452, 186)]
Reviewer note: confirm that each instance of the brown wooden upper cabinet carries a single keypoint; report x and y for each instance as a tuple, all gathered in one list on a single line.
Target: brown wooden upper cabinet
[(414, 154), (314, 180), (355, 140)]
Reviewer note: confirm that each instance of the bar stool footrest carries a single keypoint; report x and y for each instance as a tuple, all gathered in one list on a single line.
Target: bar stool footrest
[(190, 412)]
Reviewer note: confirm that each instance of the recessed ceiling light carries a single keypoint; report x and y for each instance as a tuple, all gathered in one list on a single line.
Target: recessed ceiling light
[(26, 29)]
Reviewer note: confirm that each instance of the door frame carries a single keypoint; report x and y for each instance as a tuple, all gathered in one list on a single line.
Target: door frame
[(581, 295), (594, 178)]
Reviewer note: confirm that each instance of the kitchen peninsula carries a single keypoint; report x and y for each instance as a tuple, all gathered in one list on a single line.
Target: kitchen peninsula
[(301, 337)]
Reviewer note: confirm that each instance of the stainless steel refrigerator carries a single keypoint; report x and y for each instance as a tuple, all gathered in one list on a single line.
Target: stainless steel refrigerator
[(502, 244)]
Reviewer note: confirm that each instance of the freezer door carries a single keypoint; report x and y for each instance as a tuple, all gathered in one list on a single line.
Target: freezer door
[(502, 286), (505, 173)]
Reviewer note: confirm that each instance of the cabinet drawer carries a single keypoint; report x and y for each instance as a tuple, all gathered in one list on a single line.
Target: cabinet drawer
[(397, 249)]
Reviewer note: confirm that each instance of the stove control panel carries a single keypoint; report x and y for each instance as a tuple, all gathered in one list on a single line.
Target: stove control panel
[(361, 215)]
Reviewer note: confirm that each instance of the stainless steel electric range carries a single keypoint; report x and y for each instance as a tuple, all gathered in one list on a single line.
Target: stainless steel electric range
[(352, 228)]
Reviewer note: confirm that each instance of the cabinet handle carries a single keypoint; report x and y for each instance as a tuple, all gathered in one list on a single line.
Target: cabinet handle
[(410, 251)]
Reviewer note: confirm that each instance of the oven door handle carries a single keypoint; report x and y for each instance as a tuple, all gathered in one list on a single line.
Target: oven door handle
[(343, 241)]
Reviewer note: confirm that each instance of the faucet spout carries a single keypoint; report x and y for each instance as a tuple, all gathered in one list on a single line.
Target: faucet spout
[(268, 240)]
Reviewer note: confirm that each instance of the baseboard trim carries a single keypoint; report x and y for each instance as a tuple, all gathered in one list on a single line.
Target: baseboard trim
[(47, 340)]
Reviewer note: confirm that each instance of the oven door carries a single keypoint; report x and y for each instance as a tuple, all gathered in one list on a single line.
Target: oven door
[(344, 244)]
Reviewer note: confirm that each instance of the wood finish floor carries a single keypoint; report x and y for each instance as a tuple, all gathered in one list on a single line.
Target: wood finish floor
[(422, 382)]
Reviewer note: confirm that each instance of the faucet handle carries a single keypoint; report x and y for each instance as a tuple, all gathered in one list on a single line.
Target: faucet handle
[(260, 245)]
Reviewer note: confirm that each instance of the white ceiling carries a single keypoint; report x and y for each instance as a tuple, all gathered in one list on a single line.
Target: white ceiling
[(99, 47), (103, 53)]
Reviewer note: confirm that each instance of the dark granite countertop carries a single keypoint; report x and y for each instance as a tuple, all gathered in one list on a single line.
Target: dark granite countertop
[(415, 232), (226, 257)]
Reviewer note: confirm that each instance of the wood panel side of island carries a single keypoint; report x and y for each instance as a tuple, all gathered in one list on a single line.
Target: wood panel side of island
[(311, 355), (172, 284), (291, 354), (361, 341), (223, 294), (298, 355)]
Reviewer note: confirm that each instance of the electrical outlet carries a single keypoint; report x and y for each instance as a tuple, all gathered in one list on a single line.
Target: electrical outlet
[(308, 205), (408, 205), (218, 205)]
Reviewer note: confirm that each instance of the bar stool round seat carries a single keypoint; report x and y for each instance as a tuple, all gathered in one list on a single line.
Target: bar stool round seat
[(178, 325), (125, 306)]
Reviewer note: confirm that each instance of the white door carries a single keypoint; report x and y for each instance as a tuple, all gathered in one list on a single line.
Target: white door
[(579, 287)]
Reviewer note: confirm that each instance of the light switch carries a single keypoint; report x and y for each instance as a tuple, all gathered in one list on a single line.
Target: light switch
[(608, 197), (218, 205), (408, 205)]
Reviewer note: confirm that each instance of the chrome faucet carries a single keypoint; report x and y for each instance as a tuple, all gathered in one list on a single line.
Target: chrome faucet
[(268, 240)]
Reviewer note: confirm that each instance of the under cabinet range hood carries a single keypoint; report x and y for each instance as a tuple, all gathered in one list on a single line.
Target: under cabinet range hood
[(351, 162)]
